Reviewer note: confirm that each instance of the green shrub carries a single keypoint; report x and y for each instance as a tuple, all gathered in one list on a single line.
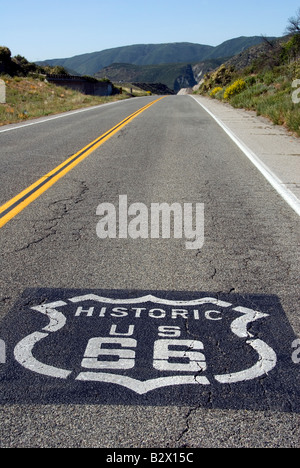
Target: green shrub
[(269, 77), (249, 97), (250, 80), (293, 119)]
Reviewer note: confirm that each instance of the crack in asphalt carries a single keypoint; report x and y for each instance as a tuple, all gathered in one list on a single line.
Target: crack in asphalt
[(63, 208)]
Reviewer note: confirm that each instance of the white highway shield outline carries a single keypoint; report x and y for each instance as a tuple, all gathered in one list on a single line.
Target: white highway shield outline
[(267, 359)]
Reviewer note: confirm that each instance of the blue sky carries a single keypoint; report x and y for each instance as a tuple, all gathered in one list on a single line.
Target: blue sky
[(63, 28)]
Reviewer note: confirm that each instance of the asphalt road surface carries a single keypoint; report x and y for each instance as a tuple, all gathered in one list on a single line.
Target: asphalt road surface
[(143, 342)]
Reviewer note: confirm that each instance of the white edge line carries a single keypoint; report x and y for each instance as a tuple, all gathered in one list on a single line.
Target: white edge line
[(60, 116), (276, 183)]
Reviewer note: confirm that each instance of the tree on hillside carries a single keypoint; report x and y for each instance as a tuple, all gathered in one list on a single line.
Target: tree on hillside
[(6, 65), (25, 67), (291, 49), (5, 53), (293, 26)]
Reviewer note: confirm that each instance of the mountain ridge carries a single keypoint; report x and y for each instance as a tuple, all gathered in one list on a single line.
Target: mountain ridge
[(153, 54)]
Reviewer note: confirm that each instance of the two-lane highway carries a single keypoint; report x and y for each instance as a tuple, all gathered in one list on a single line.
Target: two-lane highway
[(135, 340)]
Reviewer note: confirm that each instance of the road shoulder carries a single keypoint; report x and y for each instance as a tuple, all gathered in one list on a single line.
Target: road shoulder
[(276, 150)]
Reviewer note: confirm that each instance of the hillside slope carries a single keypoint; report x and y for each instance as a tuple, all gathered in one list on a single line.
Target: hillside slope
[(29, 98), (264, 78)]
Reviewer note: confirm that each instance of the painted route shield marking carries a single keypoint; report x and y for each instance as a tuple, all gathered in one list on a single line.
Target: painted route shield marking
[(155, 348)]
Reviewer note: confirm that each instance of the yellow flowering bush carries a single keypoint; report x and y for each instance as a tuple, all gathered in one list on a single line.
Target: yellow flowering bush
[(215, 91), (237, 87)]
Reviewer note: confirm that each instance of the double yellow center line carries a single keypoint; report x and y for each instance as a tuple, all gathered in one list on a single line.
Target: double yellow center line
[(14, 206)]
